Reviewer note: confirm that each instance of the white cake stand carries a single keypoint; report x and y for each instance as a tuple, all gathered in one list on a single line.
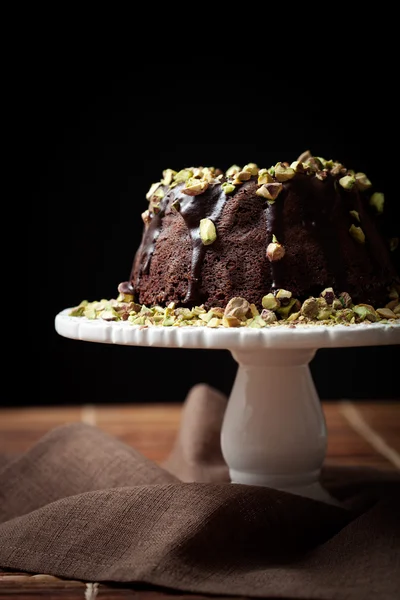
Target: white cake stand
[(273, 432)]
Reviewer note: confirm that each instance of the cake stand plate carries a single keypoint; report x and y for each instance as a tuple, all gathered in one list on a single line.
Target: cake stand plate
[(273, 433)]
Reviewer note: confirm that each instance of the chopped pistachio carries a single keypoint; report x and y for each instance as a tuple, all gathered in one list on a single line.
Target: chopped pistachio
[(393, 293), (184, 313), (183, 176), (77, 311), (345, 299), (168, 176), (283, 173), (392, 304), (199, 310), (206, 317), (275, 251), (328, 294), (337, 169), (355, 214), (264, 177), (286, 309), (208, 233), (233, 170), (362, 181), (241, 177), (347, 182), (155, 208), (228, 188), (284, 296), (158, 194), (125, 297), (254, 310), (257, 322), (344, 314), (271, 171), (293, 316), (393, 243), (168, 321), (310, 308), (252, 168), (268, 316), (238, 307), (386, 313), (337, 305), (297, 166), (304, 156), (230, 321), (194, 187), (377, 200), (153, 188), (270, 302), (324, 314), (365, 311), (357, 233), (396, 310), (214, 322), (109, 315), (270, 191)]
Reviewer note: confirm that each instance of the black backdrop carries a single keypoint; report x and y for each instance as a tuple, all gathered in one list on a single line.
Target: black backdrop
[(97, 137)]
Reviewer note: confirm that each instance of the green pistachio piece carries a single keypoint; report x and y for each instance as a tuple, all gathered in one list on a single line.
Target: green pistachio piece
[(183, 176), (355, 214), (241, 177), (155, 208), (275, 251), (362, 181), (310, 308), (377, 200), (194, 187), (393, 244), (283, 173), (357, 233), (254, 310), (168, 321), (324, 314), (206, 317), (337, 305), (153, 188), (125, 297), (214, 322), (284, 296), (365, 311), (251, 168), (304, 156), (168, 176), (284, 311), (230, 321), (270, 302), (271, 171), (264, 177), (258, 322), (337, 169), (347, 182), (233, 170), (268, 316), (270, 191), (293, 316), (228, 188), (238, 307), (184, 313), (78, 311), (345, 314), (109, 315), (345, 299), (297, 166), (159, 194), (208, 233), (217, 311), (199, 310)]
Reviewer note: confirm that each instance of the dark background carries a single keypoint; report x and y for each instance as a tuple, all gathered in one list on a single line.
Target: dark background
[(97, 135)]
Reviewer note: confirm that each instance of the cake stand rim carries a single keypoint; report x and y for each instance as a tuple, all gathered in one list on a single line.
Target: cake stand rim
[(282, 337)]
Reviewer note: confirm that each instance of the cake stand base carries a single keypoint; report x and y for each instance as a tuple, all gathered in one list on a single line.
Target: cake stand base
[(273, 433)]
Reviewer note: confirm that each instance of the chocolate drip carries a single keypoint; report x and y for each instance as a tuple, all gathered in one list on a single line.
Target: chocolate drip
[(150, 235), (192, 209)]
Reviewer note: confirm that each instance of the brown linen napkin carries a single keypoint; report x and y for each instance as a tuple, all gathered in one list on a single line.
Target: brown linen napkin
[(82, 505)]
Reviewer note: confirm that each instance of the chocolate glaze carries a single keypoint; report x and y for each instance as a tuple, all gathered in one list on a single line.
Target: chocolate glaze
[(310, 218)]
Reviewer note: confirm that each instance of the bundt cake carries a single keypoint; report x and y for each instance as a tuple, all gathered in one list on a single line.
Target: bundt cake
[(275, 238)]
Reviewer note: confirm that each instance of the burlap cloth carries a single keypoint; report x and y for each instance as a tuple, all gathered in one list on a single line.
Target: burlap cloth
[(82, 505)]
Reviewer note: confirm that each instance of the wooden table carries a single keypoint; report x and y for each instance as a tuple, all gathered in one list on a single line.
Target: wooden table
[(361, 433)]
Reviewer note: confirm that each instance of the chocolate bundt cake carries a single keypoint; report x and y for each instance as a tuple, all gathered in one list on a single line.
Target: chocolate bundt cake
[(298, 243), (211, 236)]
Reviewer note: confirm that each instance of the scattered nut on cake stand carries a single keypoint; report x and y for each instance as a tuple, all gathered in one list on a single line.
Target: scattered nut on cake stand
[(274, 430)]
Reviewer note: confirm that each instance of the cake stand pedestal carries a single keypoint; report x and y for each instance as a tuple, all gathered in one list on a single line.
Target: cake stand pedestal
[(273, 432)]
